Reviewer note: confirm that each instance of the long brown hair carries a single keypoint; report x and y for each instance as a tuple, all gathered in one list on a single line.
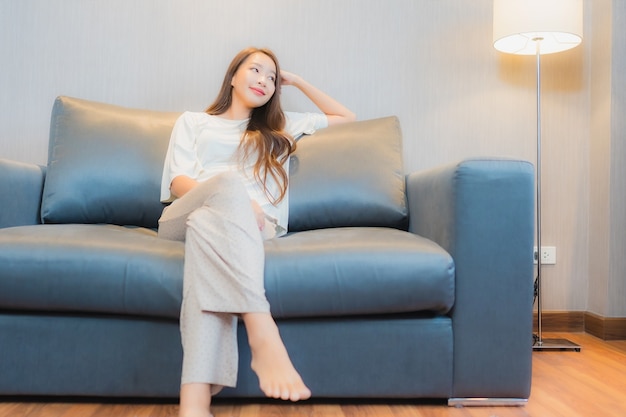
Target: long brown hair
[(265, 134)]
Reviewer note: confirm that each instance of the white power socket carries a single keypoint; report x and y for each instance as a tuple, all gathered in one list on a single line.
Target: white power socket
[(548, 255)]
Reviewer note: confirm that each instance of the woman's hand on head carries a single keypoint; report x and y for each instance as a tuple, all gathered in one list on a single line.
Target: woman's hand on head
[(336, 112), (288, 78), (259, 214)]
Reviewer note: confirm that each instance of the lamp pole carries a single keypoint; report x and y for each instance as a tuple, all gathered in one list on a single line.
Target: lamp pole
[(540, 342)]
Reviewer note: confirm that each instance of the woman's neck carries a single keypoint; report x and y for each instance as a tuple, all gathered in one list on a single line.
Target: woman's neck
[(237, 112)]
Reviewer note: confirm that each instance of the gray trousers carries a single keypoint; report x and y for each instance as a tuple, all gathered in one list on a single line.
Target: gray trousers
[(223, 275)]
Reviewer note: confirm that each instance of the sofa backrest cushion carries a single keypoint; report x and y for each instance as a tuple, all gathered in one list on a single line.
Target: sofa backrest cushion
[(349, 175), (105, 164)]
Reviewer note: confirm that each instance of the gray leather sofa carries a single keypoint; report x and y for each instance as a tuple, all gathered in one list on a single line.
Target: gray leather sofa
[(387, 286)]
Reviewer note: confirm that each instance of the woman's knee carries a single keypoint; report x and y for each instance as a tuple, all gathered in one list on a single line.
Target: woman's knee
[(228, 182)]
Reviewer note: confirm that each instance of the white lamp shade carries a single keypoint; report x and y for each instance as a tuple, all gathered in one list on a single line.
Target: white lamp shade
[(518, 24)]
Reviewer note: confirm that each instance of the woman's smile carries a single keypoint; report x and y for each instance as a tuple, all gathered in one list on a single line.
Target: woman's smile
[(258, 91)]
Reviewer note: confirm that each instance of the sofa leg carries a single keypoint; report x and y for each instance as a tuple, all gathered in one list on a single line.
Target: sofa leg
[(487, 402)]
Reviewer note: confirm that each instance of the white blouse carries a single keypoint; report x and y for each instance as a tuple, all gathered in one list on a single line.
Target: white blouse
[(204, 145)]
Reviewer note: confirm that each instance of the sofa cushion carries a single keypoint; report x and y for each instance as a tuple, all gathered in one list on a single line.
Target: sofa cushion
[(357, 271), (108, 269), (349, 175), (90, 268), (105, 164)]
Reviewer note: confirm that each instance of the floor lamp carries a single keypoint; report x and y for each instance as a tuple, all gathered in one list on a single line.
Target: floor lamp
[(538, 27)]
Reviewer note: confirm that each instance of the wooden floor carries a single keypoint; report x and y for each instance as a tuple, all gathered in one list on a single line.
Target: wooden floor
[(565, 383)]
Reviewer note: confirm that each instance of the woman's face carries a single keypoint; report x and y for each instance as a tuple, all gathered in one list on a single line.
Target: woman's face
[(254, 83)]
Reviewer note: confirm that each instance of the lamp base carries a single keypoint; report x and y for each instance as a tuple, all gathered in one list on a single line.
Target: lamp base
[(556, 344)]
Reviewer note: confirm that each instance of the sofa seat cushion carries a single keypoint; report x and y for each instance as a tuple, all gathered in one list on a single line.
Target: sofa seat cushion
[(90, 268), (119, 270), (357, 271)]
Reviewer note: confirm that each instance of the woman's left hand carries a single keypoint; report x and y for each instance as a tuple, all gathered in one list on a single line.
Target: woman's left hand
[(288, 78), (335, 112)]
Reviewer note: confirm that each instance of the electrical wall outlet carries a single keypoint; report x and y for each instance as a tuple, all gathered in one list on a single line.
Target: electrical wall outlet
[(548, 255)]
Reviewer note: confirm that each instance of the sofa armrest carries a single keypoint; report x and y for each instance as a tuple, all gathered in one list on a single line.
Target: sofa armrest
[(482, 213), (21, 187)]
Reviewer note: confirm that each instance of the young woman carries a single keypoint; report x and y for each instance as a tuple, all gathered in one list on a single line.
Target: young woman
[(226, 171)]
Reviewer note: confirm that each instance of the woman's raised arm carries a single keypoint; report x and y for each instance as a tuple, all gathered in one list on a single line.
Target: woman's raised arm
[(336, 112)]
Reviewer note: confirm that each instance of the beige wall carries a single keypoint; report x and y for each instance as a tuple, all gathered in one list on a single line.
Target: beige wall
[(430, 62), (617, 289), (607, 220)]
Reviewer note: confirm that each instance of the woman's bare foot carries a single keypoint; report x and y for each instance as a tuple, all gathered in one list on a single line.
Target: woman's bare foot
[(270, 361), (195, 400)]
